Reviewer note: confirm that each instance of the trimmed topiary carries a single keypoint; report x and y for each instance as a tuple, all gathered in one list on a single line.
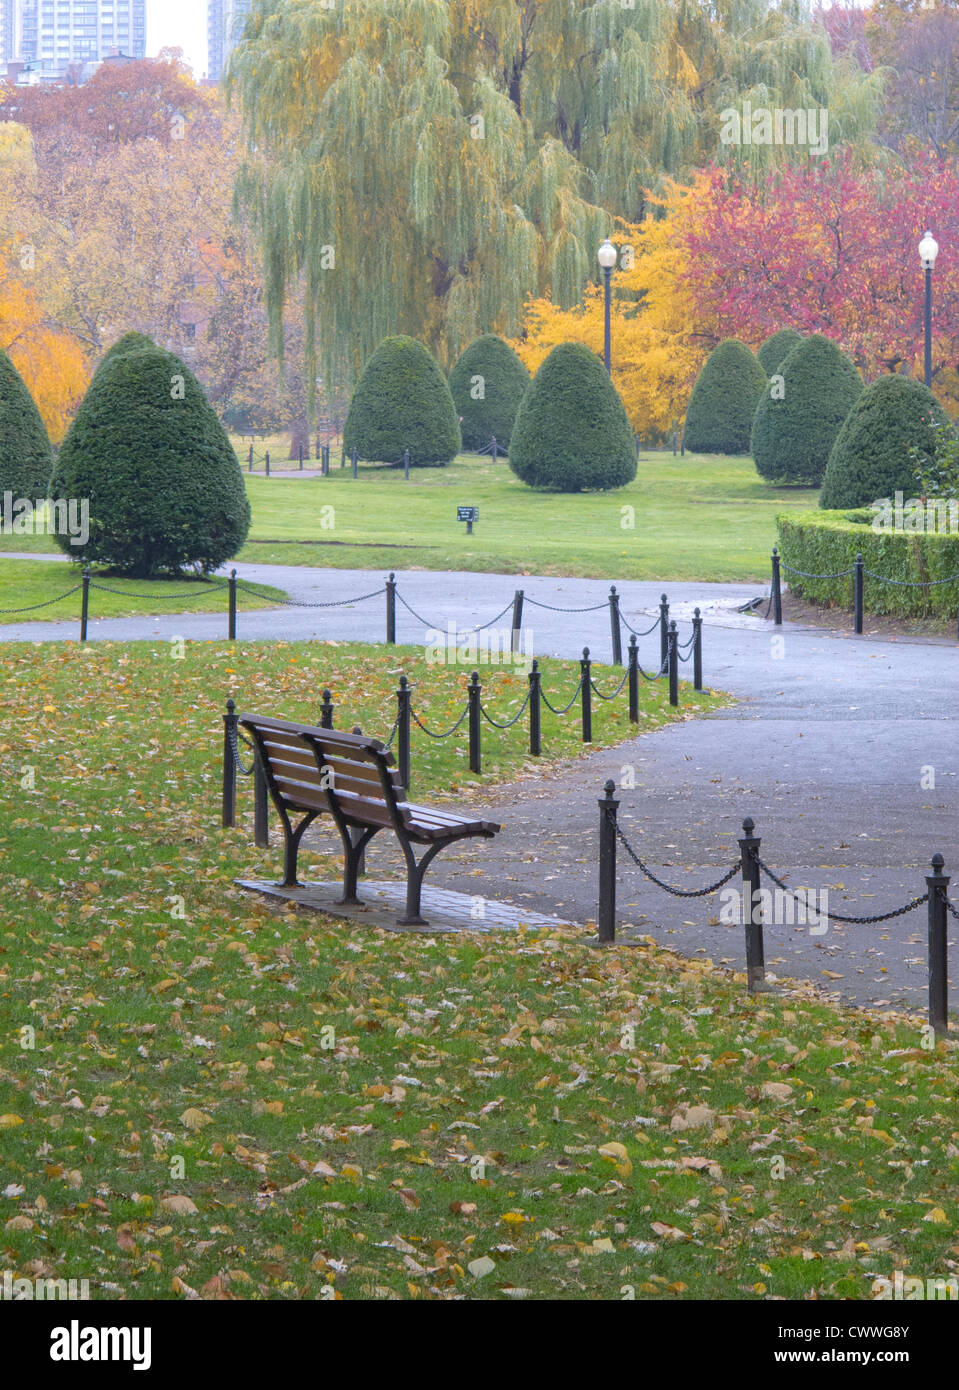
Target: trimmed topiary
[(724, 400), (572, 433), (488, 383), (130, 342), (776, 349), (164, 486), (870, 458), (26, 458), (402, 401), (802, 411)]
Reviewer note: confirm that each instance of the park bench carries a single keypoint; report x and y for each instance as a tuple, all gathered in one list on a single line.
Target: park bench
[(312, 771)]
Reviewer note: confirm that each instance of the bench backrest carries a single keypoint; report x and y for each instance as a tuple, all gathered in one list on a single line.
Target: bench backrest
[(312, 769)]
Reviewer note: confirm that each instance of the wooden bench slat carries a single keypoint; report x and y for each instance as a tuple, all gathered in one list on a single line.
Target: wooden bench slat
[(364, 792)]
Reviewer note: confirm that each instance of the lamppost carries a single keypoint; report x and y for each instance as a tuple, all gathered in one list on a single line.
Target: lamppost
[(606, 255), (928, 251)]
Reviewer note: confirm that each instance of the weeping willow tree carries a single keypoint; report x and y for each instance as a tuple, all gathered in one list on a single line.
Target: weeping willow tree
[(423, 168)]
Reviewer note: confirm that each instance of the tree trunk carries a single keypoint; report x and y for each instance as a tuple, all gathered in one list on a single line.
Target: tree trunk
[(300, 438)]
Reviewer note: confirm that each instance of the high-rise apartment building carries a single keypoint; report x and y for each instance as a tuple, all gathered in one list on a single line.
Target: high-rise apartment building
[(52, 35), (224, 22)]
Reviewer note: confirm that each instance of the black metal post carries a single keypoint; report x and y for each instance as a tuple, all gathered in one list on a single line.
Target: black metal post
[(777, 590), (607, 297), (325, 461), (250, 460), (518, 598), (857, 598), (261, 822), (586, 671), (673, 660), (231, 629), (752, 908), (606, 916), (267, 463), (391, 609), (927, 317), (474, 695), (406, 464), (937, 882), (697, 650), (84, 605), (615, 629), (633, 680), (535, 711), (326, 710), (663, 631), (494, 454), (301, 458), (403, 732), (353, 458), (229, 766)]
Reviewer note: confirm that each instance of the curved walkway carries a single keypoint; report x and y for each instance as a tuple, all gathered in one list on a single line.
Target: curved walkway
[(831, 748)]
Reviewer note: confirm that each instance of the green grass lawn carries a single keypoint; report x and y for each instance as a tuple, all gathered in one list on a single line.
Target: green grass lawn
[(25, 584), (699, 517), (708, 518), (200, 1091)]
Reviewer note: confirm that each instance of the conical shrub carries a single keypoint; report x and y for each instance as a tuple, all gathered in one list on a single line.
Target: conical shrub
[(164, 486), (802, 411), (572, 433), (130, 342), (724, 400), (776, 349), (402, 401), (488, 383), (870, 458), (26, 458)]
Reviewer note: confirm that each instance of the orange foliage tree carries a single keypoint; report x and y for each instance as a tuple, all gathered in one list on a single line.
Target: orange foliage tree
[(51, 362)]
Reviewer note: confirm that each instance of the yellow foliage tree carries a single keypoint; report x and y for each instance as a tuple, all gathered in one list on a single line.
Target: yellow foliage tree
[(52, 363), (658, 343)]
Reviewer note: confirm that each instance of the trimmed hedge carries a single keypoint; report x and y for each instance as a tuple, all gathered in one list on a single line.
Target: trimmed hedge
[(720, 413), (777, 348), (572, 433), (793, 432), (163, 483), (826, 542), (870, 458), (402, 401), (26, 458), (489, 365)]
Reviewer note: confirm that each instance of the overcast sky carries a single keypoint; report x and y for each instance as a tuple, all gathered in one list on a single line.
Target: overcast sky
[(182, 24), (178, 24)]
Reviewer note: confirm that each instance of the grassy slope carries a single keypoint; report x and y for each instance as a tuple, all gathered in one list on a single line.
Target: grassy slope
[(25, 583), (708, 518), (375, 1112), (695, 518)]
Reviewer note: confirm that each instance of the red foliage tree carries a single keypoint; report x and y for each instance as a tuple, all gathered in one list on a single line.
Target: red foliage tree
[(830, 249)]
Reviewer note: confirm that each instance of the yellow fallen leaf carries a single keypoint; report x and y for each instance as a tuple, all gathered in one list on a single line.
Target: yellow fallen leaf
[(937, 1215), (195, 1119)]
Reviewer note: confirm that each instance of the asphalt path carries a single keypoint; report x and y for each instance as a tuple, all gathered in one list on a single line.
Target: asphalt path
[(843, 749)]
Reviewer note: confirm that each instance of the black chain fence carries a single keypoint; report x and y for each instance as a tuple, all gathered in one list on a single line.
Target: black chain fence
[(752, 867)]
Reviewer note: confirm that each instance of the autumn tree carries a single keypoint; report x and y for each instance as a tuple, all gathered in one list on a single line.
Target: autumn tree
[(52, 363), (831, 249), (430, 167)]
